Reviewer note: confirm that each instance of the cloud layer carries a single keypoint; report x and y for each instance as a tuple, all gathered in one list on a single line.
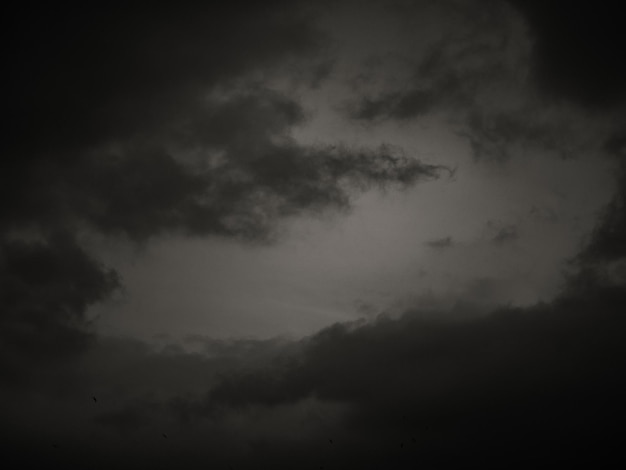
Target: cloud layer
[(137, 124)]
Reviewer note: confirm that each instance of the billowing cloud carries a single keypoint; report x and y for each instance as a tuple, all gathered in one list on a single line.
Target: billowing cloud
[(475, 56), (144, 123), (231, 170), (420, 388), (137, 123), (483, 70), (462, 386)]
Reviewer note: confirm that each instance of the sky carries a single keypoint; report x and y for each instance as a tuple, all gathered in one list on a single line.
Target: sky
[(297, 234)]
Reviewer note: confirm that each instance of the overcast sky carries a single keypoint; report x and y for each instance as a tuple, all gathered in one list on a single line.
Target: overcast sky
[(297, 234)]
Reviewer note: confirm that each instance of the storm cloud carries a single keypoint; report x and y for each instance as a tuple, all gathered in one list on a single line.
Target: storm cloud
[(46, 287), (420, 388), (506, 81), (140, 127), (139, 123)]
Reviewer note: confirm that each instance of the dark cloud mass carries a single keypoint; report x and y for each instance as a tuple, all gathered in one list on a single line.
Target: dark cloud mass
[(608, 241), (512, 382), (542, 384), (463, 72), (477, 68), (119, 97), (84, 76), (505, 235), (140, 122), (246, 180), (440, 243), (45, 288), (137, 123)]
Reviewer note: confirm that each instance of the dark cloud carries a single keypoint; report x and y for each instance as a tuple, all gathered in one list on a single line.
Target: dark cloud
[(46, 287), (440, 243), (129, 418), (497, 136), (135, 123), (145, 122), (608, 240), (92, 97), (577, 50), (542, 382), (542, 379), (442, 79), (505, 235), (602, 260), (85, 76), (253, 183), (397, 105), (83, 80), (475, 72), (114, 139), (616, 143)]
